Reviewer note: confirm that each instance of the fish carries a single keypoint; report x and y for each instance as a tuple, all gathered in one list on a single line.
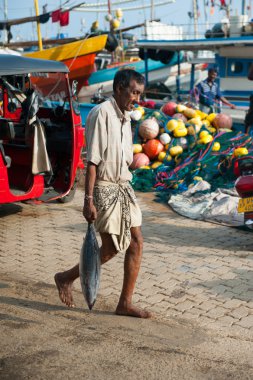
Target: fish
[(89, 266)]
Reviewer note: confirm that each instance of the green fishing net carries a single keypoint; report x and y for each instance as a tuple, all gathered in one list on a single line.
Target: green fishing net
[(197, 162)]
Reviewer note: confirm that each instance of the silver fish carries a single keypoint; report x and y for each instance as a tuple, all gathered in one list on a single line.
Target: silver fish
[(89, 266)]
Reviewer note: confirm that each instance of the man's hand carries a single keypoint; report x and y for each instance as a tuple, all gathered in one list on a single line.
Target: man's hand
[(232, 106), (89, 211)]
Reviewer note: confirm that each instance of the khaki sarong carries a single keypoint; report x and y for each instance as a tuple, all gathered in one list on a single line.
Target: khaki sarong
[(117, 210)]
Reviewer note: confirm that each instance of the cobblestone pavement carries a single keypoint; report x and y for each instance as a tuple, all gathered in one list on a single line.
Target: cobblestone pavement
[(191, 270)]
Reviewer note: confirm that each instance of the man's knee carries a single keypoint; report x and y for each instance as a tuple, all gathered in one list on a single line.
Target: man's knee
[(108, 249)]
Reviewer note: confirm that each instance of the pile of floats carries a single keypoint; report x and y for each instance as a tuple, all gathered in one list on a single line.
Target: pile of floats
[(177, 145)]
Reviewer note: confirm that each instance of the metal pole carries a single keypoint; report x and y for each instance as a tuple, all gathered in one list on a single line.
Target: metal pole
[(178, 75), (38, 25), (5, 33), (152, 10), (146, 65)]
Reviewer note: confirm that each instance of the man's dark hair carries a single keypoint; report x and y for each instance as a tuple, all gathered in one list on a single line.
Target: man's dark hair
[(124, 77), (212, 70)]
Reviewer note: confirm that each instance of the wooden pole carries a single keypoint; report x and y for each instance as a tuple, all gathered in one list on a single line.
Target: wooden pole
[(38, 25)]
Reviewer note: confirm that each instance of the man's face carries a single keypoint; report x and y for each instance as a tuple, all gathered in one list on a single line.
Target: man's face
[(126, 98), (212, 75)]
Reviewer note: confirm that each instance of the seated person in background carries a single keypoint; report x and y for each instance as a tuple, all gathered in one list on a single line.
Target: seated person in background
[(209, 93)]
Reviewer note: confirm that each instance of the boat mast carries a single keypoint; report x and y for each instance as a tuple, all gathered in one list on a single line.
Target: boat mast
[(243, 7), (195, 16), (38, 25), (152, 14), (5, 33), (109, 13)]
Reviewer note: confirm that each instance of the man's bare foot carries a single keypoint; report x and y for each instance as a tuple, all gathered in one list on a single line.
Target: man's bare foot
[(64, 289), (132, 311)]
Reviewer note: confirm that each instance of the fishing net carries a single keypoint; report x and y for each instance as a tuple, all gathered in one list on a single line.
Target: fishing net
[(197, 162)]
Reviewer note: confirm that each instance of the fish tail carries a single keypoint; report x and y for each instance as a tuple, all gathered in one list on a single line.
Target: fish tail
[(91, 305)]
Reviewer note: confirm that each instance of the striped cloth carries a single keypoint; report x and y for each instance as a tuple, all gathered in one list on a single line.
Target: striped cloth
[(117, 211)]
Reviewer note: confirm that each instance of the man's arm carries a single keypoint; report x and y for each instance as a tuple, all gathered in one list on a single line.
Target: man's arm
[(89, 210), (225, 101)]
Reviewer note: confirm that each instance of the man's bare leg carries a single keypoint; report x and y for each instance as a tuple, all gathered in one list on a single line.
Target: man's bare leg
[(131, 270), (64, 280)]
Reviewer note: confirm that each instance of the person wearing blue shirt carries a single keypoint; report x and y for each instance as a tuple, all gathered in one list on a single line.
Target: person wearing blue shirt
[(210, 95)]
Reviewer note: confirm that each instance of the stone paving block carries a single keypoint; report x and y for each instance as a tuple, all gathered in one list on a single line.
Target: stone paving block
[(250, 306), (183, 306), (240, 312), (195, 291), (232, 304), (207, 305), (164, 305), (219, 289), (205, 321), (246, 322), (155, 299), (170, 312), (176, 301), (241, 289), (216, 312), (246, 296)]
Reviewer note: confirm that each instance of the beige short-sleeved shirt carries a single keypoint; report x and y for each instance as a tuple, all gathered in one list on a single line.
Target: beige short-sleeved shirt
[(109, 141)]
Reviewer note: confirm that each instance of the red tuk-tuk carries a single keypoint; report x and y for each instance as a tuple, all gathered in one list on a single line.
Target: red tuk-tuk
[(41, 134)]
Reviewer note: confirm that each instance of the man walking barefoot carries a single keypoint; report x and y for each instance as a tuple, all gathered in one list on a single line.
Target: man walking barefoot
[(109, 199)]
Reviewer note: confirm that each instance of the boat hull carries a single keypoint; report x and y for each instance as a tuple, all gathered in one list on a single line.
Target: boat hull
[(79, 56), (157, 72)]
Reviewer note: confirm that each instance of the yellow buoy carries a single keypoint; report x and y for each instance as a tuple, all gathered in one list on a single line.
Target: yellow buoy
[(161, 156), (180, 131), (115, 23), (203, 134), (206, 139), (172, 124), (137, 148), (156, 164), (240, 152), (211, 117), (216, 146), (175, 150)]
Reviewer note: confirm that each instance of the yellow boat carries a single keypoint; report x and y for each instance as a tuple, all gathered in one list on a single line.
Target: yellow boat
[(79, 56)]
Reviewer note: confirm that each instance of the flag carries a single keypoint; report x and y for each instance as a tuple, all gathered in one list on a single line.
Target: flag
[(56, 16), (44, 18), (64, 18)]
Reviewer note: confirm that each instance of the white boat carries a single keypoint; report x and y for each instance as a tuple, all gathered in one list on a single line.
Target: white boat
[(162, 65), (233, 55)]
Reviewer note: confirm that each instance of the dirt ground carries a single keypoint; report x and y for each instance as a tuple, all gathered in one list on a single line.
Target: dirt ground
[(41, 339)]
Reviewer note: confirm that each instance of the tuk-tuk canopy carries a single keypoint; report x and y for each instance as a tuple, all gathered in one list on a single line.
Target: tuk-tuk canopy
[(12, 64)]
